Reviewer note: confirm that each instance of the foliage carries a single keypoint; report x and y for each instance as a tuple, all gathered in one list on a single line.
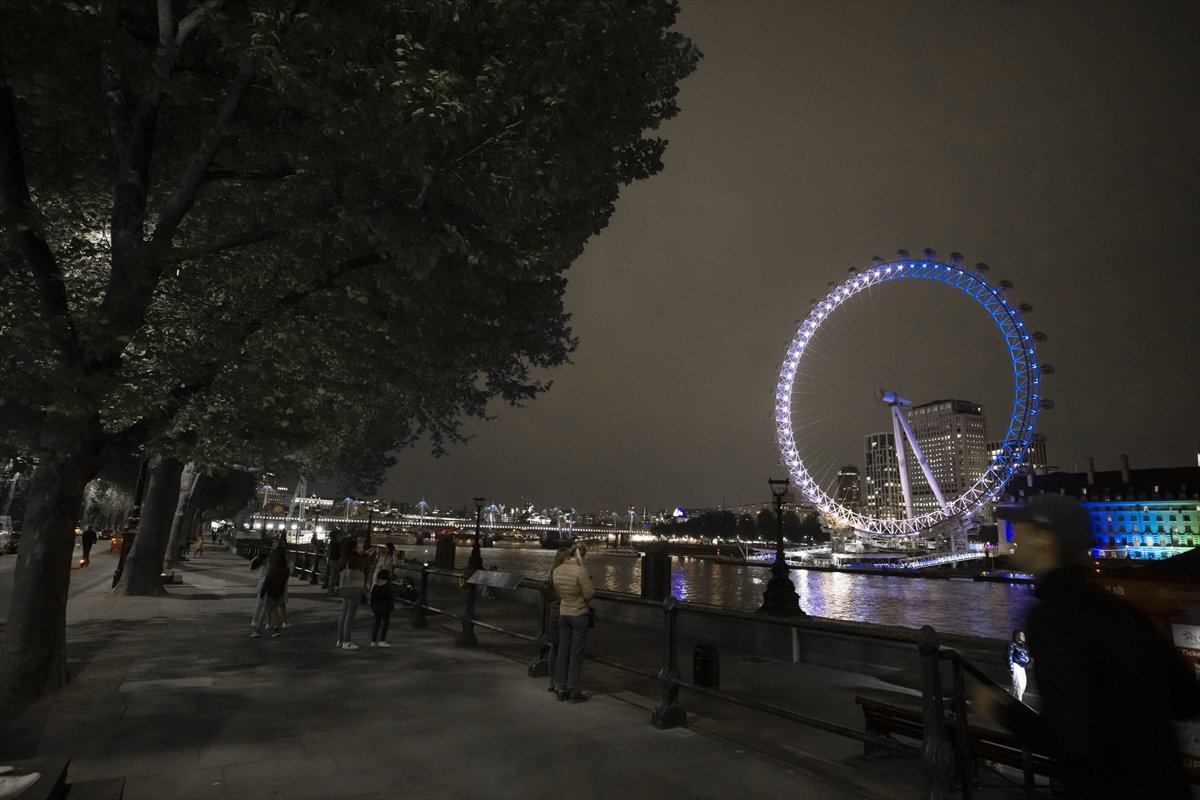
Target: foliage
[(309, 232)]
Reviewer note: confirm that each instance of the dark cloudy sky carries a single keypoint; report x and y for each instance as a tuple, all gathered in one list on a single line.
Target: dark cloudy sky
[(1059, 142)]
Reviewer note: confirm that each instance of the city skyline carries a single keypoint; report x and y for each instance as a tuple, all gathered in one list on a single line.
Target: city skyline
[(1054, 142)]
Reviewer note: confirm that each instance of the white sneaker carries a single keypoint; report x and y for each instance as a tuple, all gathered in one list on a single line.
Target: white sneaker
[(372, 644), (255, 634), (338, 643), (383, 644), (13, 785), (349, 646)]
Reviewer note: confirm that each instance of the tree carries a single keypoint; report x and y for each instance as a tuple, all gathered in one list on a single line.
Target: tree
[(746, 527), (408, 181)]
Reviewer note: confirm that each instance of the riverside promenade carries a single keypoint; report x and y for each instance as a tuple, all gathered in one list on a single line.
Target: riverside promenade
[(170, 698)]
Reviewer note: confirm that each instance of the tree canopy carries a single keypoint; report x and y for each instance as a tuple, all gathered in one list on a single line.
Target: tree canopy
[(294, 229)]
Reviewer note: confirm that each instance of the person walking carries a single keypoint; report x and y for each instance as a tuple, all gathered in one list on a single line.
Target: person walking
[(383, 602), (335, 556), (553, 610), (352, 584), (261, 564), (87, 539), (1018, 660), (1111, 685), (575, 592), (275, 585), (200, 545)]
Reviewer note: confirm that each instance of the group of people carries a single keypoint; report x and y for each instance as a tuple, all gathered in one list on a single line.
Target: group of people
[(356, 576), (350, 579)]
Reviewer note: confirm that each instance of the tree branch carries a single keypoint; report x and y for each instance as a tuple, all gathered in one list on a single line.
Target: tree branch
[(174, 209), (189, 24), (14, 204), (178, 254)]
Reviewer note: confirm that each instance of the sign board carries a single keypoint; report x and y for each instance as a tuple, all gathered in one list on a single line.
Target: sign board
[(501, 580)]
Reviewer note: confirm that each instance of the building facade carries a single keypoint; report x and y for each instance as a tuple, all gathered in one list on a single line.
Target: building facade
[(1144, 514), (882, 495), (952, 434)]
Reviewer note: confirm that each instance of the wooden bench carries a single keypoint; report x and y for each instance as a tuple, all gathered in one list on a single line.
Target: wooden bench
[(985, 744)]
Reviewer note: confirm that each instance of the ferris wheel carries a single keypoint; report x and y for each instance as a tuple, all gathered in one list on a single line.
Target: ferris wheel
[(1026, 397)]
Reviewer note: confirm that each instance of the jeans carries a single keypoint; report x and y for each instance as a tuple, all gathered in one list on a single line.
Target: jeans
[(379, 632), (552, 656), (572, 639), (346, 622)]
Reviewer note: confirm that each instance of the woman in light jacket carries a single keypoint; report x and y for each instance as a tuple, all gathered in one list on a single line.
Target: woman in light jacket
[(575, 591)]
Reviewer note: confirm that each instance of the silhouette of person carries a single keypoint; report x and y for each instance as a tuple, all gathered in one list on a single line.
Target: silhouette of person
[(1110, 683), (87, 539)]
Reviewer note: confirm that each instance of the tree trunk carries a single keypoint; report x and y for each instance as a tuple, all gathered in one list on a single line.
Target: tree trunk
[(33, 660), (143, 568), (179, 523)]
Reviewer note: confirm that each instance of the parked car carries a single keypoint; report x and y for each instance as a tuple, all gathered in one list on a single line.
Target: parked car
[(8, 542)]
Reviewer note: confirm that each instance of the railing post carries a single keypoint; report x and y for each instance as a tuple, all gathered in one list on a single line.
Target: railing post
[(419, 620), (668, 713), (936, 754), (966, 764), (540, 665), (467, 637)]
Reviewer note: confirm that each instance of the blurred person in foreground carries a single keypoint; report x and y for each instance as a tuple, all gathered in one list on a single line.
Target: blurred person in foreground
[(1110, 683)]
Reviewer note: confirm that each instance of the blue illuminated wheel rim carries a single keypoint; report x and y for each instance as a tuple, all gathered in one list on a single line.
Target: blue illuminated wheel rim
[(1019, 343)]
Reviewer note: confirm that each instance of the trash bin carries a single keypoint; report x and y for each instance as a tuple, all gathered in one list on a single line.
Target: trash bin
[(706, 666)]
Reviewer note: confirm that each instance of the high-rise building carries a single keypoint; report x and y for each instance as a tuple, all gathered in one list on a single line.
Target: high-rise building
[(1035, 454), (952, 435), (882, 497), (848, 493)]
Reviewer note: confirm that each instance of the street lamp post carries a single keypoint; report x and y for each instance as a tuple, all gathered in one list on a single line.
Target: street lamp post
[(780, 596), (474, 563), (475, 560)]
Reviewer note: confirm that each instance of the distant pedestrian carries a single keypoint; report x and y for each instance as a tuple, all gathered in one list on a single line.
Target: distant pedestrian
[(383, 602), (575, 592), (275, 585), (552, 622), (385, 559), (87, 539), (1110, 684), (352, 584), (1018, 660), (335, 555), (200, 545), (259, 565)]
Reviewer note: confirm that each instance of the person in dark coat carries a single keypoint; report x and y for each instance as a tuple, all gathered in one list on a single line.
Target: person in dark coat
[(383, 603), (87, 539), (1109, 682)]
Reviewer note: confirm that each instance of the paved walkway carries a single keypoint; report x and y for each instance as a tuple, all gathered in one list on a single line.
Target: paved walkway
[(170, 696)]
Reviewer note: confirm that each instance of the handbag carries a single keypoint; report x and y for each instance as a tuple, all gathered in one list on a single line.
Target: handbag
[(591, 618)]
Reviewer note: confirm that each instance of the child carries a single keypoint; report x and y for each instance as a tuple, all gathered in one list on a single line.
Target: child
[(382, 603)]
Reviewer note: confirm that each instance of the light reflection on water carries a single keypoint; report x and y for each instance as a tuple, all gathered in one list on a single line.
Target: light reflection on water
[(975, 608)]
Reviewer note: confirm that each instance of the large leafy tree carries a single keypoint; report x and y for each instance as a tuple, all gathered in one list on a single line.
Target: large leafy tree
[(205, 204)]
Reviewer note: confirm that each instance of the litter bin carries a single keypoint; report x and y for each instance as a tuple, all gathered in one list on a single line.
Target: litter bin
[(706, 666)]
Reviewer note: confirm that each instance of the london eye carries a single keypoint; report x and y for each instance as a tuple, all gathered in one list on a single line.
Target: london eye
[(1003, 462)]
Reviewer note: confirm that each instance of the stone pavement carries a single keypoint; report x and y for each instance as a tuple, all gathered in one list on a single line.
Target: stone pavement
[(171, 699)]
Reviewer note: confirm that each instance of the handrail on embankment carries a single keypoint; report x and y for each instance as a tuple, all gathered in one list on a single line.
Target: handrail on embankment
[(946, 748)]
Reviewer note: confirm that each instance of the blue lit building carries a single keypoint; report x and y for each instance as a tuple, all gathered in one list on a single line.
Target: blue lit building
[(1144, 514)]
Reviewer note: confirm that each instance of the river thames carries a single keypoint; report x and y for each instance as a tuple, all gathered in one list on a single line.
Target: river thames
[(975, 608)]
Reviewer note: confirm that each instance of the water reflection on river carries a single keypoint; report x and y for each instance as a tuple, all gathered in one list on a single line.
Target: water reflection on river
[(990, 610)]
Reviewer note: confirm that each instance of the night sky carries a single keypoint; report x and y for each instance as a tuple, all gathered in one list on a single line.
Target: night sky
[(1058, 142)]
